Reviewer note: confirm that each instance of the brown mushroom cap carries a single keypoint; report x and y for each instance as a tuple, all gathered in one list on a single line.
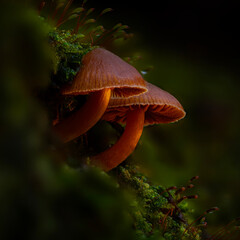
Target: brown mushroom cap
[(102, 69), (160, 107)]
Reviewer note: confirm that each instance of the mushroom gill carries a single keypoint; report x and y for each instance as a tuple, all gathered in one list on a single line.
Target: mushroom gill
[(153, 107)]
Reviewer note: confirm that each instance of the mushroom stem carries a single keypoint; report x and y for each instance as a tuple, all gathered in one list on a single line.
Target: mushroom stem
[(113, 156), (85, 118)]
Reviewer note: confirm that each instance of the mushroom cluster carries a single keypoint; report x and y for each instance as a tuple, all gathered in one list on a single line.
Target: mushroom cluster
[(102, 75), (118, 93)]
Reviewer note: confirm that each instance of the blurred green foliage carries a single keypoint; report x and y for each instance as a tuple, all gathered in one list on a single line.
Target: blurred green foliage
[(41, 198)]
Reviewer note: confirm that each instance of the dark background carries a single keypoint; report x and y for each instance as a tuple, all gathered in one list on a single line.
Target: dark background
[(207, 30)]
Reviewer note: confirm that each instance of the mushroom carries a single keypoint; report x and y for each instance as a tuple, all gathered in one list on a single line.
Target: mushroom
[(153, 107), (102, 75)]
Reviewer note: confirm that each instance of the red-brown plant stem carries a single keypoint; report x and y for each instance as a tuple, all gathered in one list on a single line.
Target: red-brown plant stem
[(201, 216), (80, 21), (41, 6), (115, 155), (64, 13), (85, 118)]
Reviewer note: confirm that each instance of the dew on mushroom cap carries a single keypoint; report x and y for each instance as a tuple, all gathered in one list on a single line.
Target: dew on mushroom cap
[(154, 106), (102, 75)]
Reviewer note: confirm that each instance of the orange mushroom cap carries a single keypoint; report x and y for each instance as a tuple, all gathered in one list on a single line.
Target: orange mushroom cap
[(102, 75), (159, 105), (102, 69)]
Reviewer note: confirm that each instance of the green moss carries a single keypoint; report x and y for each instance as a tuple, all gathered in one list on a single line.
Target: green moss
[(156, 210), (69, 50)]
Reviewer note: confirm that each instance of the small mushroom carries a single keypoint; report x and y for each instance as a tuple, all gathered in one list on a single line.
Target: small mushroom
[(102, 75), (153, 107)]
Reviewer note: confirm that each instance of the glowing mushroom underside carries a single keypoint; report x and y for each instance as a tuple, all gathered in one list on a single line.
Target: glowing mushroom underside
[(153, 107)]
